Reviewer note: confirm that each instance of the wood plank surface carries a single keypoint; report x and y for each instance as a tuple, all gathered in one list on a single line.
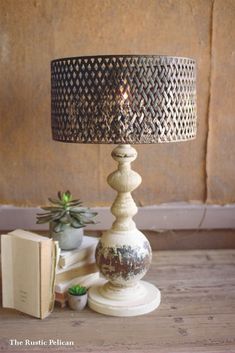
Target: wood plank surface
[(197, 313)]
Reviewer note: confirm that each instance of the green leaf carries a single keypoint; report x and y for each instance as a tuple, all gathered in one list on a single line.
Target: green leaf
[(43, 214), (74, 203), (44, 219), (59, 227), (55, 201), (77, 226), (68, 194), (89, 214), (84, 217), (52, 208), (56, 216), (66, 197), (76, 216), (79, 209), (77, 290), (76, 223)]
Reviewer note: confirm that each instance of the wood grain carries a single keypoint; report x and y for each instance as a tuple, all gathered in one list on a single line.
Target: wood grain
[(197, 313)]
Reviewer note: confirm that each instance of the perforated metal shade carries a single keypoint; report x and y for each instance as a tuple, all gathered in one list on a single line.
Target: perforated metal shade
[(123, 99)]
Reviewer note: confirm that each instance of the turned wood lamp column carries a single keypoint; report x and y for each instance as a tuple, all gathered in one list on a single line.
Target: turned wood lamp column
[(123, 100), (123, 253)]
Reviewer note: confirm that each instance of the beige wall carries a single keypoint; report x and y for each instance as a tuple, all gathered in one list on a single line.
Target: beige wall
[(33, 32), (221, 137)]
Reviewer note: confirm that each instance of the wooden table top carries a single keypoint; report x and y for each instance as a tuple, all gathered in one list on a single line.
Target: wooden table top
[(197, 313)]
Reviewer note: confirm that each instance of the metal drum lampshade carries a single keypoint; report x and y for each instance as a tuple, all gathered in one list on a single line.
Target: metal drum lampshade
[(123, 100)]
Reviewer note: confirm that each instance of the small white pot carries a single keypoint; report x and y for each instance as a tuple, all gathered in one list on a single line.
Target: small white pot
[(77, 302)]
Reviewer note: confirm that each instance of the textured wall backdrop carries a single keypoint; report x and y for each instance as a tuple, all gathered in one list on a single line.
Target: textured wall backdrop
[(33, 32)]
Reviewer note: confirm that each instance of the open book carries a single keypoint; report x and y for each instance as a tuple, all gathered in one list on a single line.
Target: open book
[(28, 272)]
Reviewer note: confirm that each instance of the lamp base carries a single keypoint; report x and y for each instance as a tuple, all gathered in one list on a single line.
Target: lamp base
[(123, 254), (133, 301)]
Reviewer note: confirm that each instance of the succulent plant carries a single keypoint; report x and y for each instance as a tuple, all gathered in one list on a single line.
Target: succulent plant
[(65, 211), (77, 290)]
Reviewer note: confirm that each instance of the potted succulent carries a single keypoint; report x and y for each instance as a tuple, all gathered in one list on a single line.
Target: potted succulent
[(66, 218), (77, 297)]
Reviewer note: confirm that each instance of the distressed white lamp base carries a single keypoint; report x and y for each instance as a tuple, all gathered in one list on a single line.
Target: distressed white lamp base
[(123, 253), (144, 298)]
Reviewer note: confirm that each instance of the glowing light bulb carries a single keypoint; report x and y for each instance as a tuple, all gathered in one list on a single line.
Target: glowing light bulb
[(125, 95)]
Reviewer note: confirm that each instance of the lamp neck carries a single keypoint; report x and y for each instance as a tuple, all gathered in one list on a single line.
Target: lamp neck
[(124, 180)]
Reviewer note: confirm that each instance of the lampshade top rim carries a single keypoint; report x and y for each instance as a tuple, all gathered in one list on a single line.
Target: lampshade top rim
[(124, 56)]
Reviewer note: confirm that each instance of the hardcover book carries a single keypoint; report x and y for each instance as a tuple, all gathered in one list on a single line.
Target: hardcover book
[(28, 272), (87, 280), (80, 268), (87, 249), (61, 288)]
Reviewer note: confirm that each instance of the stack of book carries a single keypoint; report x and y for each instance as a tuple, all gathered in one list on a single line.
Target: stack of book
[(76, 267)]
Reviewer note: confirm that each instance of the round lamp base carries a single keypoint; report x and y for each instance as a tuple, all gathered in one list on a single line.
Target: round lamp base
[(146, 298)]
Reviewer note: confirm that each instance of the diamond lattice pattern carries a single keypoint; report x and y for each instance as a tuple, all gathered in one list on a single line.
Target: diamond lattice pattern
[(123, 99)]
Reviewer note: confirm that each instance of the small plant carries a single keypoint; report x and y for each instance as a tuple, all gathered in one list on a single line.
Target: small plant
[(77, 290), (65, 211)]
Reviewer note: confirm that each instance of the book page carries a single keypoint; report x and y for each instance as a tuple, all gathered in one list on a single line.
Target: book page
[(28, 235), (48, 268)]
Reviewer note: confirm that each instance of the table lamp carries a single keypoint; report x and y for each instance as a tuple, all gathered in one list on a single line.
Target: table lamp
[(123, 100)]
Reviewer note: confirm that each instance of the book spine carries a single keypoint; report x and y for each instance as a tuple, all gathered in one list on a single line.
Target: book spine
[(43, 275), (54, 256), (7, 272)]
